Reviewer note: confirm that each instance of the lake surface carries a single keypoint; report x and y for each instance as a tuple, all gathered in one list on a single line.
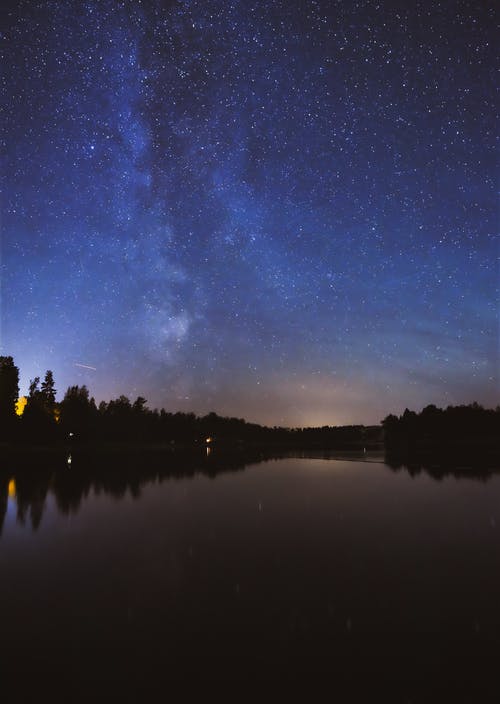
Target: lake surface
[(382, 584)]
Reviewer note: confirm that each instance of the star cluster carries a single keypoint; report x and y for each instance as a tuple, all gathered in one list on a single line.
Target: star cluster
[(278, 210)]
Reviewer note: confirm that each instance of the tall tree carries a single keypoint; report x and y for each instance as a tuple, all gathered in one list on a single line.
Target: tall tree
[(78, 412), (38, 421), (34, 389), (9, 393), (48, 390), (9, 386)]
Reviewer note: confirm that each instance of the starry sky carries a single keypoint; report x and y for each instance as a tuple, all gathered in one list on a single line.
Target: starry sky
[(280, 210)]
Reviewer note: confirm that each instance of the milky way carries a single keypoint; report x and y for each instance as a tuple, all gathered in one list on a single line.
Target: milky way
[(283, 211)]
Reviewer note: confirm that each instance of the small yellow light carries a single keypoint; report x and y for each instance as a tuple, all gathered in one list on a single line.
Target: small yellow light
[(208, 440), (21, 405)]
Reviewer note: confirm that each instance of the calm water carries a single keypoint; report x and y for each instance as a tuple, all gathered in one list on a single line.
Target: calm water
[(383, 585)]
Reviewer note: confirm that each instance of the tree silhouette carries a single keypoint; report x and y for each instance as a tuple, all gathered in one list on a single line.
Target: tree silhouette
[(78, 412), (34, 388), (456, 429), (48, 391), (9, 394), (123, 422), (38, 421)]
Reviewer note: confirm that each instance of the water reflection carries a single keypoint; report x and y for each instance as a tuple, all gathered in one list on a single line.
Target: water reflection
[(70, 479), (347, 571), (439, 467)]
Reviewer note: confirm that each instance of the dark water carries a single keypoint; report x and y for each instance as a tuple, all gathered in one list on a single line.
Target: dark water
[(379, 585)]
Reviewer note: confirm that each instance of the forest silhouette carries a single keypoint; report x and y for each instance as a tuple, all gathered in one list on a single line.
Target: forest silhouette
[(38, 420)]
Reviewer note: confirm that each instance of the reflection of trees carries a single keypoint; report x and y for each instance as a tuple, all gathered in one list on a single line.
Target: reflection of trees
[(120, 474), (439, 466), (114, 474), (31, 496), (69, 489), (4, 497)]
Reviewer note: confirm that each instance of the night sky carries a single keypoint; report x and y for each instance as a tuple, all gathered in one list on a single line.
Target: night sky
[(277, 210)]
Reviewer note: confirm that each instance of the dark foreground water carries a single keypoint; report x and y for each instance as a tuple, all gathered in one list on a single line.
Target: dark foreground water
[(371, 583)]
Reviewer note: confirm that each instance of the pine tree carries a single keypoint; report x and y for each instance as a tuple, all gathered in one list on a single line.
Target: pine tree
[(48, 391)]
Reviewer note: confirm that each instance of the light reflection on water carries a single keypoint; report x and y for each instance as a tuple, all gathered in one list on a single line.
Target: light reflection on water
[(289, 568), (11, 489)]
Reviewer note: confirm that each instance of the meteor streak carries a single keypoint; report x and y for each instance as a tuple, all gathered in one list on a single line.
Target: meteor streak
[(85, 366)]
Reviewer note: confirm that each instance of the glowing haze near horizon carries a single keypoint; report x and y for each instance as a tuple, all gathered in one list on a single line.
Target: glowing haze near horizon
[(283, 211)]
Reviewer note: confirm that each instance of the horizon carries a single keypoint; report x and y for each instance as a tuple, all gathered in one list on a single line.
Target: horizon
[(283, 212), (59, 396)]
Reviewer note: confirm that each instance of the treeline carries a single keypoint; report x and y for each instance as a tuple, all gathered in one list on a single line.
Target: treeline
[(77, 419), (40, 420), (460, 427)]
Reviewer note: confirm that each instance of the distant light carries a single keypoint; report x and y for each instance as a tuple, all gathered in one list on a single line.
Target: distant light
[(71, 435), (208, 440), (68, 461), (21, 405)]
